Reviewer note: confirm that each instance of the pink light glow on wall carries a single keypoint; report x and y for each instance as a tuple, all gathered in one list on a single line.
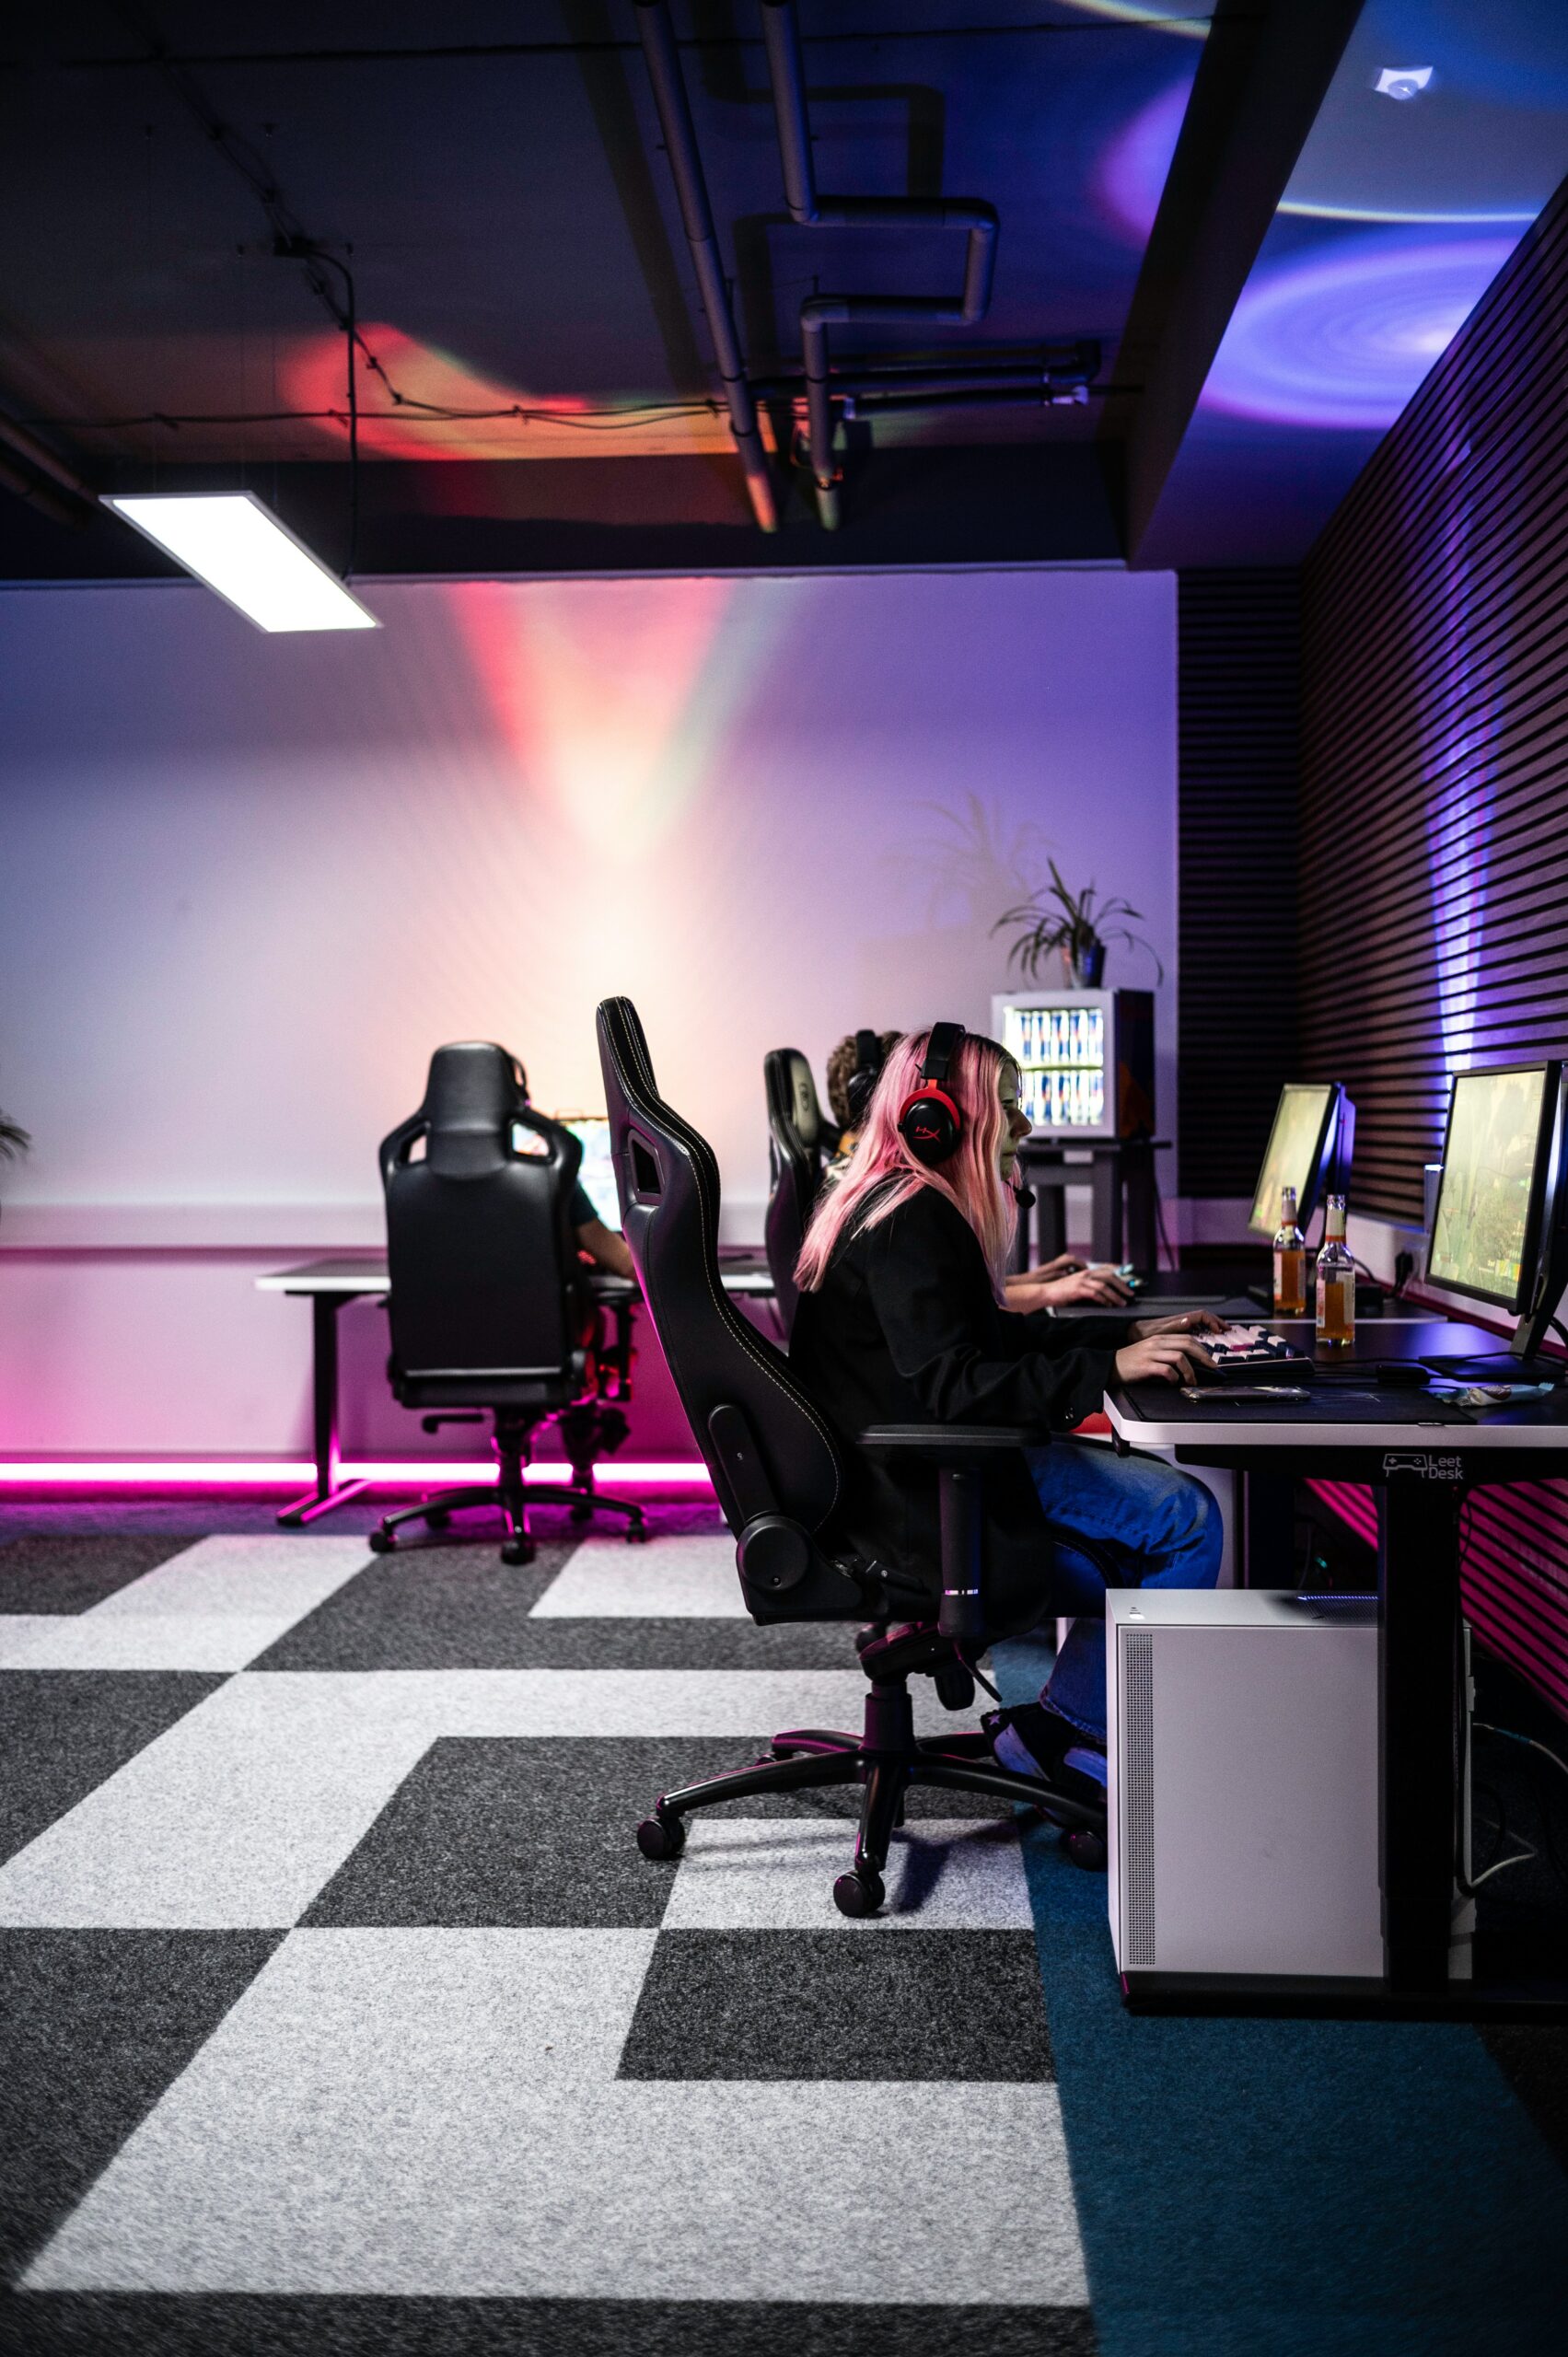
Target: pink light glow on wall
[(614, 696)]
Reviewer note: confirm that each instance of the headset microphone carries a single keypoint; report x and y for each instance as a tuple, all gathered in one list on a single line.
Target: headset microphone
[(929, 1120), (1025, 1198)]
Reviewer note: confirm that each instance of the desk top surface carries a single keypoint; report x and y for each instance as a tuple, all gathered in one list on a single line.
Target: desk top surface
[(1336, 1420), (367, 1274)]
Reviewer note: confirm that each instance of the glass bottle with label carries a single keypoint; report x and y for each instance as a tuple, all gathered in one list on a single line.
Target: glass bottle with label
[(1290, 1261), (1336, 1281)]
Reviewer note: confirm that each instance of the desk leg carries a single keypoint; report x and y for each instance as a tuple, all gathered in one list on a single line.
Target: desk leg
[(1050, 1222), (1106, 1181), (328, 1492), (1418, 1579), (1142, 1226), (1268, 1526)]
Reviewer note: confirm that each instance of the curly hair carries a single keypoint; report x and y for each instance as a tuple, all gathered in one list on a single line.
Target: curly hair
[(842, 1063)]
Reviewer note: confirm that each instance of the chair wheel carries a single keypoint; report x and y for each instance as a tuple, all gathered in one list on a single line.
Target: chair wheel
[(1086, 1850), (859, 1894), (439, 1518), (661, 1837), (517, 1551), (382, 1542), (636, 1534), (581, 1513)]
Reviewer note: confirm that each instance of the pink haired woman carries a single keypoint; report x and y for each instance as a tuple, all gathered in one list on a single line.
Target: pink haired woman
[(901, 1320)]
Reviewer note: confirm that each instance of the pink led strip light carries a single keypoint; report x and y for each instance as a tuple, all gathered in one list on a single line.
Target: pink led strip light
[(295, 1472)]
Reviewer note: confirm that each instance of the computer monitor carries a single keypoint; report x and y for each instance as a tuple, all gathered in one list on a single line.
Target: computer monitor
[(1499, 1157), (598, 1173), (1310, 1148)]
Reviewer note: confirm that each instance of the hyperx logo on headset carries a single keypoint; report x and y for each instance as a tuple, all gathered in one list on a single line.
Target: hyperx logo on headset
[(929, 1120)]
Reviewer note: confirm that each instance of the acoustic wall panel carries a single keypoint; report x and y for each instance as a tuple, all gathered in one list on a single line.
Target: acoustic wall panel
[(1434, 909), (1238, 632)]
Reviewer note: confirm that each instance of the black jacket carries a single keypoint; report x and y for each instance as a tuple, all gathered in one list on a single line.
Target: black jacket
[(906, 1330)]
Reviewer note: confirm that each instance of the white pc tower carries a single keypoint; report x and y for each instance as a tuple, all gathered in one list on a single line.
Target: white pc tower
[(1242, 1734)]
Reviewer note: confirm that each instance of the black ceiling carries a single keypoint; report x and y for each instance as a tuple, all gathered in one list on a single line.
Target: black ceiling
[(494, 181)]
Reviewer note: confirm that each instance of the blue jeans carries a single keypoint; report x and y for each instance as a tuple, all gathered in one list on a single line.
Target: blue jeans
[(1164, 1527)]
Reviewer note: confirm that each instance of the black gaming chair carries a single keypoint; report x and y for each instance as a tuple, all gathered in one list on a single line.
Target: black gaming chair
[(489, 1304), (776, 1471), (799, 1143)]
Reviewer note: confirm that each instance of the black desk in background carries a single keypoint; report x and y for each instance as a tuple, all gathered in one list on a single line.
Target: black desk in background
[(1107, 1166), (328, 1284), (1419, 1455)]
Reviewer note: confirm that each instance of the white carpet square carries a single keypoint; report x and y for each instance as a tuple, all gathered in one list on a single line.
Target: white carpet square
[(237, 1815), (435, 2113), (689, 1577), (216, 1606), (777, 1873)]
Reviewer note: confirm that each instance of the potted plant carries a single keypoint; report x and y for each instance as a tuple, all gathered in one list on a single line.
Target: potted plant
[(14, 1139), (1078, 924)]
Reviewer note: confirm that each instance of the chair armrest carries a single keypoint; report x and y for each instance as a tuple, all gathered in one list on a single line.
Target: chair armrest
[(945, 1444)]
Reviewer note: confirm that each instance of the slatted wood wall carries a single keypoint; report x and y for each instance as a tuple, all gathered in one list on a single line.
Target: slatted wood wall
[(1238, 757), (1433, 895)]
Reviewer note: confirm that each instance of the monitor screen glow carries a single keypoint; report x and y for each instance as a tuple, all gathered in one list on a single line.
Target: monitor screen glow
[(1295, 1143), (598, 1173), (1489, 1196)]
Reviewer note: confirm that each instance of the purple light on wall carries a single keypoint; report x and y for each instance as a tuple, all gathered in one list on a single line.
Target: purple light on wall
[(1344, 337), (1135, 167), (1459, 705)]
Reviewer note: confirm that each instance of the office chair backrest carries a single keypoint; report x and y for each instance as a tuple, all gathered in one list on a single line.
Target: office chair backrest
[(799, 1143), (774, 1465), (486, 1301)]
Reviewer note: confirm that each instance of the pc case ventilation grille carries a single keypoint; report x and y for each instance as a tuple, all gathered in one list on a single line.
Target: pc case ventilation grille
[(1138, 1768)]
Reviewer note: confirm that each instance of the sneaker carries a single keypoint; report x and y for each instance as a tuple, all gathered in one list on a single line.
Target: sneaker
[(1032, 1740)]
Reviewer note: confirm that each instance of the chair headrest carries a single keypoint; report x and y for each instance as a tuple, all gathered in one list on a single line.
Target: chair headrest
[(795, 1113), (472, 1085)]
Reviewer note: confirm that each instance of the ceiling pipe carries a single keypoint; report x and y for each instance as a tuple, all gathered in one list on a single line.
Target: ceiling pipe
[(807, 209), (686, 169), (37, 494), (38, 454), (1056, 370)]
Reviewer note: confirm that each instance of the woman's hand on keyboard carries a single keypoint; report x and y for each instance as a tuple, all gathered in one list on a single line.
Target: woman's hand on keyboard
[(1190, 1321), (1159, 1358)]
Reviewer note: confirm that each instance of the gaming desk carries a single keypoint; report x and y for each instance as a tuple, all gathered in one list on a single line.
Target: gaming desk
[(1421, 1454)]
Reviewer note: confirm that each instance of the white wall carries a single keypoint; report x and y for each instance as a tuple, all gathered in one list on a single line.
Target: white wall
[(250, 883)]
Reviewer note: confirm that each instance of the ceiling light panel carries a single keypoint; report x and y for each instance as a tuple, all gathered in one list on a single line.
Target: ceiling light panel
[(238, 548)]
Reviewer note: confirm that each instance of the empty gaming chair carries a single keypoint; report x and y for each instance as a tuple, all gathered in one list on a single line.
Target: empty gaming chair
[(490, 1308), (799, 1143), (775, 1467)]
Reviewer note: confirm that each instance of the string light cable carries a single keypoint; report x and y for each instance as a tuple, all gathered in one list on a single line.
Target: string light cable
[(621, 417)]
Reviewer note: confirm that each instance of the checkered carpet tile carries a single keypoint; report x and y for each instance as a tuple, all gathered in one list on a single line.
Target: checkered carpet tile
[(345, 2012)]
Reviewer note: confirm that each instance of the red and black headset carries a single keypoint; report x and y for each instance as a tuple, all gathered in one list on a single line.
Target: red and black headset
[(929, 1120)]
